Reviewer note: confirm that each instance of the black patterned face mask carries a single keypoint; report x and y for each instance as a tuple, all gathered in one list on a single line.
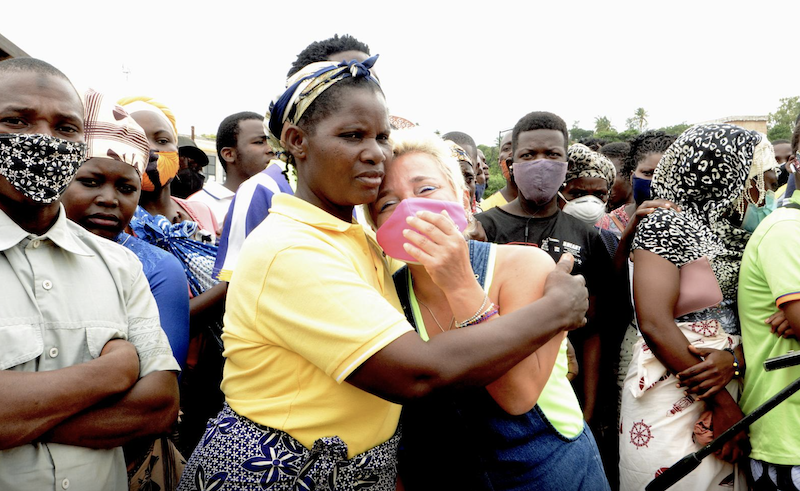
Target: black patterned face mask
[(40, 166)]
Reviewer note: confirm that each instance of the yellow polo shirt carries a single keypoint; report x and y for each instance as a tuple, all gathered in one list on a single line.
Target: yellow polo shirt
[(496, 199), (311, 300)]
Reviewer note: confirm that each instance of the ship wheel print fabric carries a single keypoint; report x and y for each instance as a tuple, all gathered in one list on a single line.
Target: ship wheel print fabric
[(657, 419)]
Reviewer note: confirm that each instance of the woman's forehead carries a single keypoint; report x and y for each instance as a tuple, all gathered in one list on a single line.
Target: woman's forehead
[(152, 121)]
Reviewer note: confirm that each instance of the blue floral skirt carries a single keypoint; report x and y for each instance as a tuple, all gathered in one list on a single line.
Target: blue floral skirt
[(238, 454)]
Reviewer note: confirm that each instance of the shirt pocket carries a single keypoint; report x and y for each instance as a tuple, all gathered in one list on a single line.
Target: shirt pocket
[(97, 337), (21, 342)]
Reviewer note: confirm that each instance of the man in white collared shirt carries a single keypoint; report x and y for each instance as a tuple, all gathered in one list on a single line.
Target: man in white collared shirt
[(84, 366), (243, 151)]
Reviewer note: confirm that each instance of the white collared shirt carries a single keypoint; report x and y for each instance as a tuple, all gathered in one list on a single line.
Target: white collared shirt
[(65, 294), (217, 197)]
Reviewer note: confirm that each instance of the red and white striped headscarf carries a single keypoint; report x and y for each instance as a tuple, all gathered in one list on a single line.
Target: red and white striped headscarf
[(111, 133)]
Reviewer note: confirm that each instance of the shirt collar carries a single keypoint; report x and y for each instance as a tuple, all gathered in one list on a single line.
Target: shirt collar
[(60, 233), (289, 172), (217, 190), (304, 212)]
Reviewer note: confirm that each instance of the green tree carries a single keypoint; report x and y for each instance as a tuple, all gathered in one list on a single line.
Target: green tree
[(609, 135), (209, 136), (675, 129), (627, 135), (577, 134), (780, 132), (787, 112), (496, 183), (496, 179), (781, 123), (639, 120), (601, 124), (491, 154)]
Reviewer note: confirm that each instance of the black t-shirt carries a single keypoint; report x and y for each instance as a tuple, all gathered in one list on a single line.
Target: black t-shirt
[(562, 233), (555, 235), (609, 311)]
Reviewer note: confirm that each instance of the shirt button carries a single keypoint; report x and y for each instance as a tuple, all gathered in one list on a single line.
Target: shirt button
[(53, 352), (65, 483), (36, 243), (47, 284)]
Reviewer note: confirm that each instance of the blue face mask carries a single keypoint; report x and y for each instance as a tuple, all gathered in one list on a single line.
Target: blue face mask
[(641, 190), (755, 214), (479, 190)]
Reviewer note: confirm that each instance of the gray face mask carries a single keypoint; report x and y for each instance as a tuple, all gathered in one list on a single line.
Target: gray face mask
[(539, 180), (40, 166), (588, 209)]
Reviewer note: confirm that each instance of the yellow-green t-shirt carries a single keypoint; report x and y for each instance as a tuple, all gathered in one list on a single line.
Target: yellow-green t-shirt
[(770, 277), (310, 302)]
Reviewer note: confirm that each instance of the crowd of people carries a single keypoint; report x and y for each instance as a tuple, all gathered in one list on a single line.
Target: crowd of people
[(346, 310)]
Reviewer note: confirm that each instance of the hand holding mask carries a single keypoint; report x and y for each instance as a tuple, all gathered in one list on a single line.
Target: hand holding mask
[(390, 235)]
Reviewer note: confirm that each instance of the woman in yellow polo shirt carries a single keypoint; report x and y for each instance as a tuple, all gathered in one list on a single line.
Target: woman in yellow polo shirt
[(318, 351)]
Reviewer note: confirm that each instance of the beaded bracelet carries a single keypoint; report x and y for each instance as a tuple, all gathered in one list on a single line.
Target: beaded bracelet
[(490, 312), (477, 314), (736, 371)]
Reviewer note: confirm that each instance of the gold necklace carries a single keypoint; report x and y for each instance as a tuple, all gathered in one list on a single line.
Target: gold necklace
[(449, 326)]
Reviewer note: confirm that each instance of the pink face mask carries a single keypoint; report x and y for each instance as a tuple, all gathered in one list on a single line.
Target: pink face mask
[(390, 234)]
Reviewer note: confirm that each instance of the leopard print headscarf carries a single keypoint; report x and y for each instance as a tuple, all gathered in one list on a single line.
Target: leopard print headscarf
[(705, 171)]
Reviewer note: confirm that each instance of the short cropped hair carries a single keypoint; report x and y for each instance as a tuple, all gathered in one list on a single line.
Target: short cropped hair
[(616, 150), (31, 65), (228, 132), (35, 65), (322, 50), (593, 143), (539, 120), (462, 140)]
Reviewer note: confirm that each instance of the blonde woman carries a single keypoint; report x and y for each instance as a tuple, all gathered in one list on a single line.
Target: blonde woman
[(524, 429)]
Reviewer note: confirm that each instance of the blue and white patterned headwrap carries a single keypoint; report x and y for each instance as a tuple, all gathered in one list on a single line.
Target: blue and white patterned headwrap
[(303, 88)]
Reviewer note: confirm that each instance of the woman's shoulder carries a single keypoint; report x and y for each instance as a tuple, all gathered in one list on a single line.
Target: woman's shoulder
[(668, 233), (199, 212), (663, 220), (516, 258)]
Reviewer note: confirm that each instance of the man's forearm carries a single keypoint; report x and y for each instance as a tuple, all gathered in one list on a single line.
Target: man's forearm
[(35, 402), (149, 408)]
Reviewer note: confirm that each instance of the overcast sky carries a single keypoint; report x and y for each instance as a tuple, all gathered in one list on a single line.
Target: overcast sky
[(469, 66)]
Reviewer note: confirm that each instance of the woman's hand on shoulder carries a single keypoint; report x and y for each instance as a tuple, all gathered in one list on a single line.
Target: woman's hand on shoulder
[(649, 206)]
